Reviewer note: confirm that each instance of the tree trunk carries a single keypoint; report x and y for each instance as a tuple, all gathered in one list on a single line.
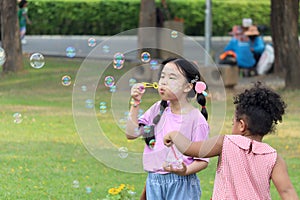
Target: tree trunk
[(11, 37), (147, 18), (284, 23), (147, 37)]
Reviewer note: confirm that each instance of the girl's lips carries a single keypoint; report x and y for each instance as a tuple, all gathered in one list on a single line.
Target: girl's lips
[(161, 90)]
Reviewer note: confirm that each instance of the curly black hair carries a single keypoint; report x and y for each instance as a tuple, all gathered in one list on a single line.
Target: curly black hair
[(261, 108)]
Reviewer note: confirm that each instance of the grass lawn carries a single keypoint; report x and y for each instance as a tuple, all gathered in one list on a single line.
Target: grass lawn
[(43, 155), (170, 1)]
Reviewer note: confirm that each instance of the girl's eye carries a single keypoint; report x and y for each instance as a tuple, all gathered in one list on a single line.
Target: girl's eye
[(172, 78)]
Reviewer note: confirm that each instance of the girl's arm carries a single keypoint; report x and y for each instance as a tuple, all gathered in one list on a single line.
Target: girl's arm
[(203, 149), (132, 123), (196, 166), (193, 168), (28, 20), (282, 181)]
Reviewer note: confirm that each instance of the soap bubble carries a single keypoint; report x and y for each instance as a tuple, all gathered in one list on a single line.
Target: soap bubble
[(154, 65), (89, 103), (17, 118), (66, 80), (113, 88), (109, 81), (147, 129), (118, 65), (123, 123), (70, 52), (2, 56), (88, 189), (119, 60), (105, 49), (92, 42), (83, 88), (119, 57), (123, 152), (174, 34), (75, 184), (145, 57), (102, 107), (132, 81), (37, 60)]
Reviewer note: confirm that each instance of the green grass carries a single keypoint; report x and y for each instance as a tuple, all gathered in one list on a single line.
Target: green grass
[(43, 155), (170, 1)]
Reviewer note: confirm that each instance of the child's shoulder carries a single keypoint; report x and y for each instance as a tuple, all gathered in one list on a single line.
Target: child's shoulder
[(155, 106)]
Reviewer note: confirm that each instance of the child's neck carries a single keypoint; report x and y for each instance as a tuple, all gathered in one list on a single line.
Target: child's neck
[(180, 107), (253, 137)]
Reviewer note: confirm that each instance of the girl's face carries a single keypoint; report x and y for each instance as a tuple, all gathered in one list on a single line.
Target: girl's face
[(235, 126), (238, 126), (172, 83)]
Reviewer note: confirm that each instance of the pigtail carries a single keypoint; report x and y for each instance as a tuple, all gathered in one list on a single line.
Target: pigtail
[(202, 101), (149, 136)]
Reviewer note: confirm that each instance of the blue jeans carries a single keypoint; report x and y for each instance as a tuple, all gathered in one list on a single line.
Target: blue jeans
[(172, 187)]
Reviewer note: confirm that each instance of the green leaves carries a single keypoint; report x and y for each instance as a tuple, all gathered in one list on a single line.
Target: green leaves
[(103, 17)]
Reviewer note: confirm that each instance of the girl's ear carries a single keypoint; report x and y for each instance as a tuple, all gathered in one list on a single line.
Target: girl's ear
[(188, 87), (242, 126)]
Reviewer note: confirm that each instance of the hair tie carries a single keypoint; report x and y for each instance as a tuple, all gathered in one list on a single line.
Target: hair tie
[(203, 107), (195, 79), (200, 87)]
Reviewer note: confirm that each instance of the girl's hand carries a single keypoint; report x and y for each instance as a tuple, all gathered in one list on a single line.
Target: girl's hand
[(168, 139), (137, 91), (179, 171)]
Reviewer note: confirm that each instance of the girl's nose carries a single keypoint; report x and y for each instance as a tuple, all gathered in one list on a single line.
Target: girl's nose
[(162, 82)]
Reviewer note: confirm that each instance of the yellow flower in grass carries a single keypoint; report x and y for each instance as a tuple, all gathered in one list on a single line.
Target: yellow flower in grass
[(130, 187), (124, 191), (113, 191), (122, 186)]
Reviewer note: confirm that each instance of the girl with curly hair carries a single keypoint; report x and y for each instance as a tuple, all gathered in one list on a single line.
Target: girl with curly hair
[(246, 164)]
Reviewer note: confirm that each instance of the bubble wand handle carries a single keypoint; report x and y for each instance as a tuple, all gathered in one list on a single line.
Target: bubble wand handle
[(173, 150)]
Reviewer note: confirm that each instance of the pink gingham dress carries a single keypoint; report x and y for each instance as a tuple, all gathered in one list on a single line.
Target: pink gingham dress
[(244, 170)]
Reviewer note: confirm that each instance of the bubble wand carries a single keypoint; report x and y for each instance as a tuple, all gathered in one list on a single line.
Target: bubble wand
[(173, 150), (148, 85)]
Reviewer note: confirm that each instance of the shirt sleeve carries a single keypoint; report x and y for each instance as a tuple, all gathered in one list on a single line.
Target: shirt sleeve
[(231, 45), (259, 45)]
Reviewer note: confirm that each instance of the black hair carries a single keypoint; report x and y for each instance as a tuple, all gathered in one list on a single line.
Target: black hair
[(22, 3), (261, 108), (192, 75)]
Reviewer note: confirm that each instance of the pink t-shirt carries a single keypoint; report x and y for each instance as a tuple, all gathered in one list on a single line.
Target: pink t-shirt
[(193, 125), (244, 170)]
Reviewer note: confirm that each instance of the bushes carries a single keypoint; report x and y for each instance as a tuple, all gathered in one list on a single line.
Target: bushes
[(82, 18), (103, 17)]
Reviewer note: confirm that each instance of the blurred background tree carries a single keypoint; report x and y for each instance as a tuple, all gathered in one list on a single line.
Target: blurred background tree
[(10, 35), (284, 26)]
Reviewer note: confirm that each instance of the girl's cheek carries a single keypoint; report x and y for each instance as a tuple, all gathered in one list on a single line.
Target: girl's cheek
[(174, 86)]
